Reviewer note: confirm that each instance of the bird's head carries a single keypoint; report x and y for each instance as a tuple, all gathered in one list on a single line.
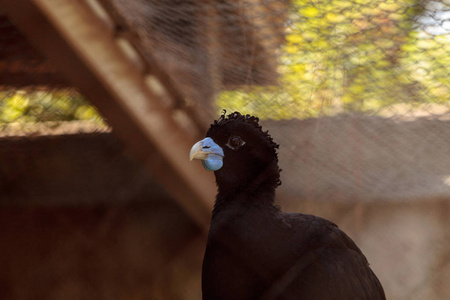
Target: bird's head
[(241, 155)]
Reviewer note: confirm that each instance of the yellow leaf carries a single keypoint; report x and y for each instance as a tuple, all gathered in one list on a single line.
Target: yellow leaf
[(309, 12), (334, 18)]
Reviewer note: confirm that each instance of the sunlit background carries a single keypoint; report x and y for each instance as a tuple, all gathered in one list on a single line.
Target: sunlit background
[(359, 103), (383, 58)]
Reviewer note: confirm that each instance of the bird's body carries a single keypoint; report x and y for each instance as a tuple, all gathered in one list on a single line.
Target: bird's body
[(258, 252), (254, 250)]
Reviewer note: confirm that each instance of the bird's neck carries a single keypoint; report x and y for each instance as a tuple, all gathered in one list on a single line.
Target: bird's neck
[(259, 191)]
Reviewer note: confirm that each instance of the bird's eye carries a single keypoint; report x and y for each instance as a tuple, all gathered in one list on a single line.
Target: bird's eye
[(234, 142)]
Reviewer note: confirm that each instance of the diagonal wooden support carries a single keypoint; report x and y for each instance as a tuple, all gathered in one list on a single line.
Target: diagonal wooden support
[(80, 41)]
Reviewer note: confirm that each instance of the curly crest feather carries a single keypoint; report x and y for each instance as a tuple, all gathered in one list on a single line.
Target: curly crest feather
[(237, 116), (247, 119)]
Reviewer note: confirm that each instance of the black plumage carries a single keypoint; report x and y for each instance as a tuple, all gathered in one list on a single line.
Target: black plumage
[(254, 250)]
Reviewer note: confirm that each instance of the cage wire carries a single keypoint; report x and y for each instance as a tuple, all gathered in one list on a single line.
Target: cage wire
[(284, 60), (34, 98), (302, 59), (356, 92), (385, 58), (29, 111)]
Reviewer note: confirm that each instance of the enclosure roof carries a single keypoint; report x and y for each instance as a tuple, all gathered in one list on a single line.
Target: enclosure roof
[(21, 64)]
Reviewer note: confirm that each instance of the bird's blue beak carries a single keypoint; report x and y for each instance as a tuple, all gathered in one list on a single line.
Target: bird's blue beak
[(209, 153)]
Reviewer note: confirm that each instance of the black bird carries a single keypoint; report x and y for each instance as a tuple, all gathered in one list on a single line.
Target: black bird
[(254, 250)]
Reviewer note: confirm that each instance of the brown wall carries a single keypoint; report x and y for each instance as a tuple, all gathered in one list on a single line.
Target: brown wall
[(80, 219), (123, 252)]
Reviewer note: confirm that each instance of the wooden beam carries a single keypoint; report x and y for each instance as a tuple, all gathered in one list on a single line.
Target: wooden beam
[(81, 43)]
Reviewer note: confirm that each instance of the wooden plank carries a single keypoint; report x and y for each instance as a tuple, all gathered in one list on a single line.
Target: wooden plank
[(83, 46)]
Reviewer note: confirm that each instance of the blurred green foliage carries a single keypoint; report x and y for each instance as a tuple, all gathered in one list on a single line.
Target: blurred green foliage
[(30, 106), (339, 56), (352, 55)]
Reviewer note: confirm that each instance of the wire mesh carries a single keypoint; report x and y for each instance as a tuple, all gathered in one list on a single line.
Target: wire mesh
[(34, 97), (356, 92), (43, 110), (369, 78), (387, 58)]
